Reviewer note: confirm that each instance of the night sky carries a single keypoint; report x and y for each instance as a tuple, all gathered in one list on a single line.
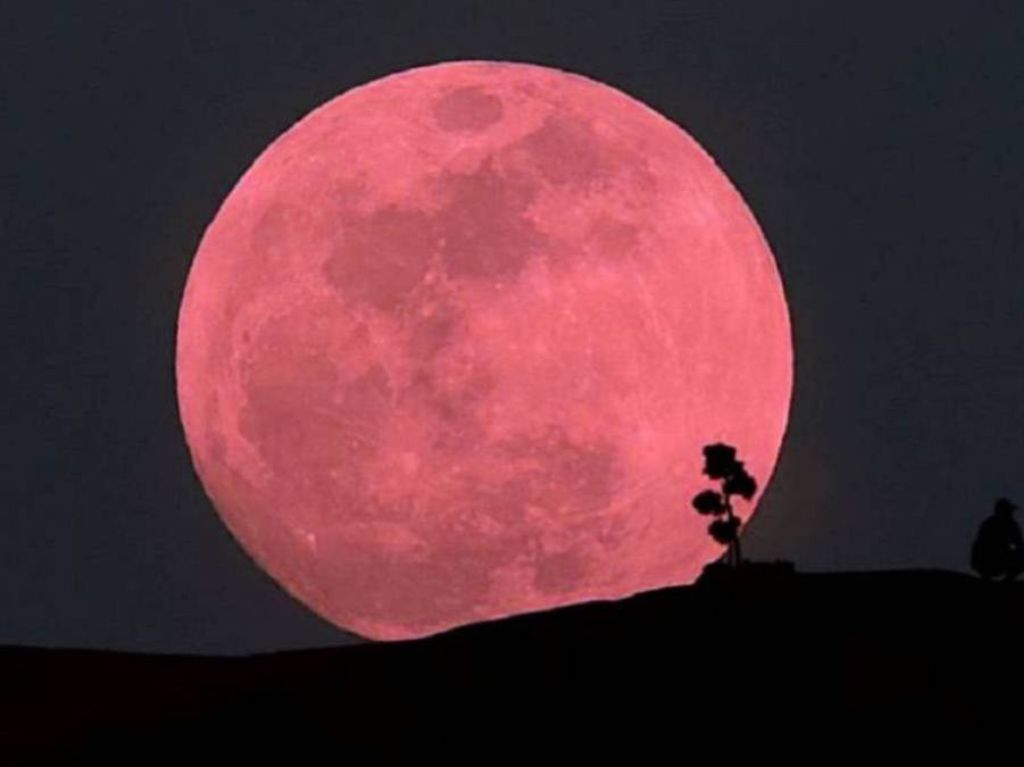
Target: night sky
[(879, 146)]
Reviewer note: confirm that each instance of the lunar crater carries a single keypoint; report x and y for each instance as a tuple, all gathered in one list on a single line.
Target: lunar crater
[(486, 231), (469, 109), (565, 151), (380, 258)]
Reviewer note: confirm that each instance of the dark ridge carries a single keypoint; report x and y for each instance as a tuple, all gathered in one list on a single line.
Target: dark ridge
[(763, 646)]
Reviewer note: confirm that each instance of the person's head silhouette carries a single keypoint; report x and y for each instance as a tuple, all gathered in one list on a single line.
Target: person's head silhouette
[(1005, 507)]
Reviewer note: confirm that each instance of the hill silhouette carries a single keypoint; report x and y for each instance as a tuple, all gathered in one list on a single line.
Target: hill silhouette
[(930, 645)]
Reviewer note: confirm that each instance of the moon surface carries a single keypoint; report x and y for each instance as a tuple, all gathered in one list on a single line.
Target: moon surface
[(451, 347)]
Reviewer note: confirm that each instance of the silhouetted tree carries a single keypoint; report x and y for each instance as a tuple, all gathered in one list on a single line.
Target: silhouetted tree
[(720, 464)]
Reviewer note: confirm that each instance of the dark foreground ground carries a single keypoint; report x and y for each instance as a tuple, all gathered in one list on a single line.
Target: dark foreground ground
[(798, 651)]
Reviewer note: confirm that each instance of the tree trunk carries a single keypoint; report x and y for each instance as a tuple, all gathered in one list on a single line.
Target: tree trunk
[(734, 555)]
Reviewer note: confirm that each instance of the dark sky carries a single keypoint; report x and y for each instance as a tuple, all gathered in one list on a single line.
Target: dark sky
[(878, 144)]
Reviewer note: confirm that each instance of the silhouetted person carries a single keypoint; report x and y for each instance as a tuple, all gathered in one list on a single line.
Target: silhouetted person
[(999, 547)]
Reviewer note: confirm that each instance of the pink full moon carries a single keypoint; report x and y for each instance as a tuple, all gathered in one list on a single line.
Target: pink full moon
[(451, 347)]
